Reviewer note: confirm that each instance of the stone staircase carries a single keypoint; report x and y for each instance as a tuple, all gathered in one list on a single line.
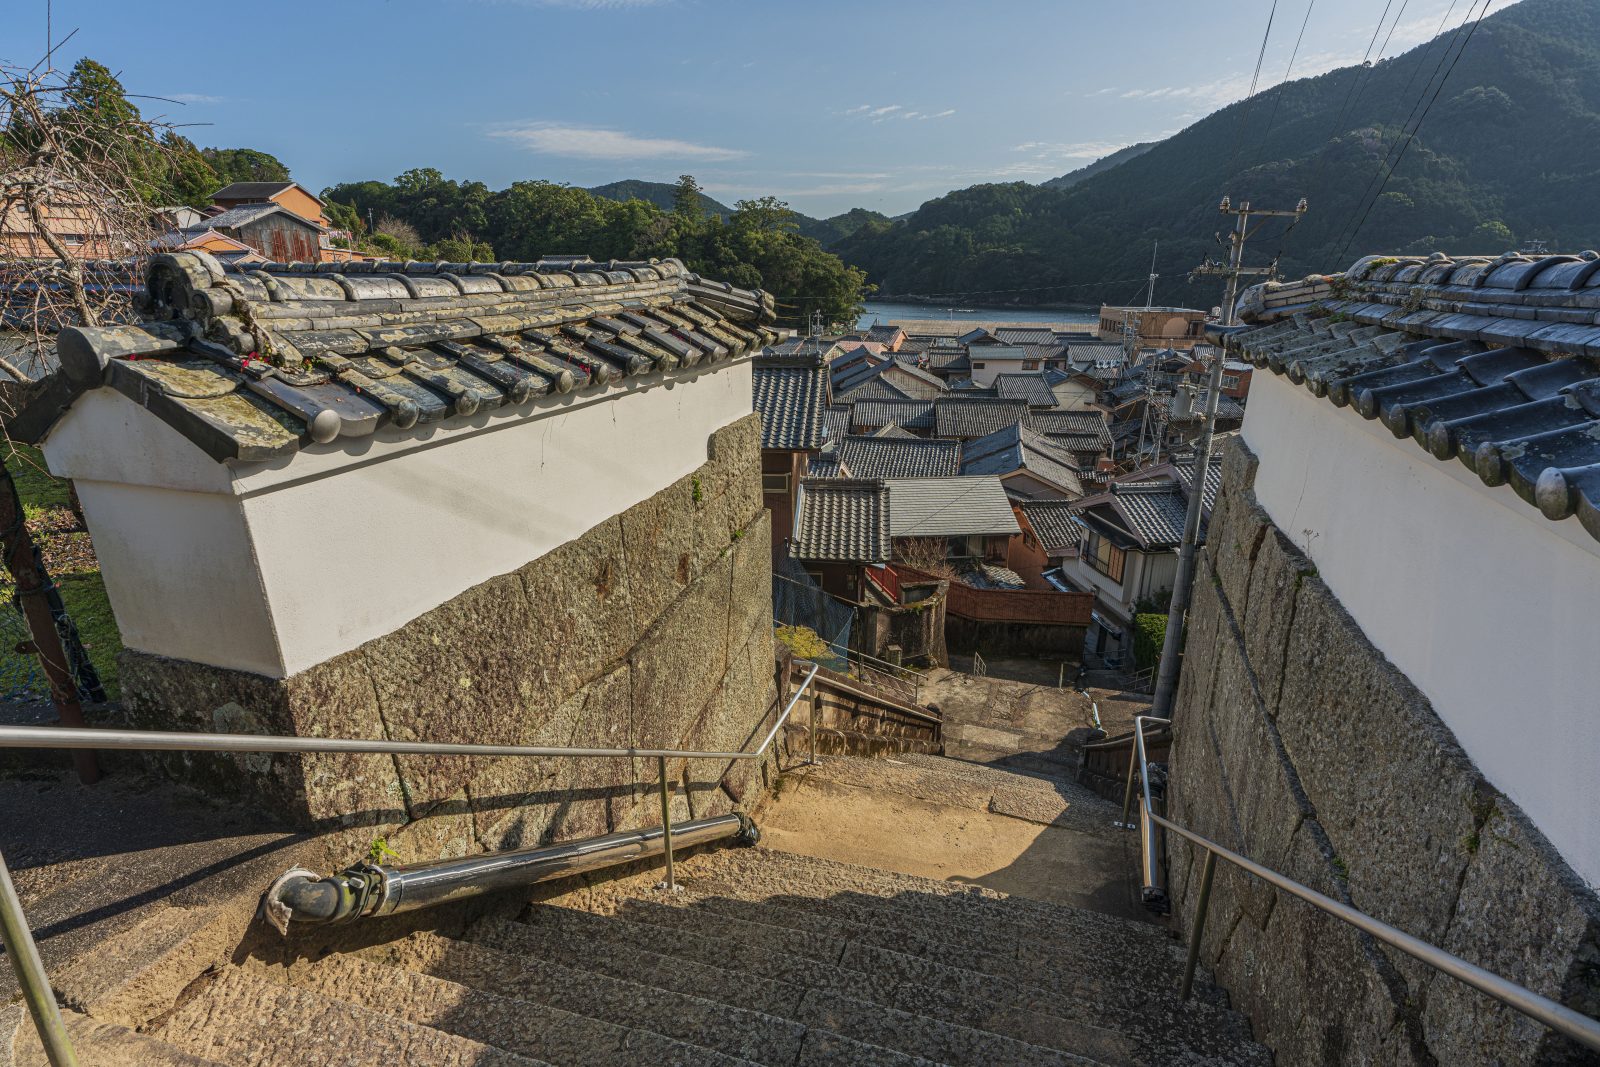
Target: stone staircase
[(763, 957)]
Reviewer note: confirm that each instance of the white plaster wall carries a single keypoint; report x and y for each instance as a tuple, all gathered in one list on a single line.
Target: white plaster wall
[(275, 567), (1490, 609)]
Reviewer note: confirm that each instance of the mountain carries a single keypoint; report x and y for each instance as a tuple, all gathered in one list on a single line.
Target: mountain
[(831, 231), (1121, 155), (658, 193), (1509, 153)]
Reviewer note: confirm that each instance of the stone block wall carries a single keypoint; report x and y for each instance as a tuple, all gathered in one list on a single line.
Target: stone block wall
[(1301, 746), (653, 629)]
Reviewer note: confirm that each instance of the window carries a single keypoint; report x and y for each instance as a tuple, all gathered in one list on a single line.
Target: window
[(1230, 381), (977, 366), (1105, 557), (775, 483), (1030, 364)]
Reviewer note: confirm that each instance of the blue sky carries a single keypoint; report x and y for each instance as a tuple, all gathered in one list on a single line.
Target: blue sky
[(826, 103)]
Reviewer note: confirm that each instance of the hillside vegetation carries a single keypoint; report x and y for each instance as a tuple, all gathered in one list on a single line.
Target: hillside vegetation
[(1509, 153)]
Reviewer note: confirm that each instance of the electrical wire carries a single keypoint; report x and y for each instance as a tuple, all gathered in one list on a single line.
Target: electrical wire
[(788, 299), (1406, 144), (1250, 98), (1344, 108), (1283, 85)]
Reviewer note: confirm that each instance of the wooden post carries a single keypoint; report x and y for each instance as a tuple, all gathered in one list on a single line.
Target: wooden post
[(22, 560)]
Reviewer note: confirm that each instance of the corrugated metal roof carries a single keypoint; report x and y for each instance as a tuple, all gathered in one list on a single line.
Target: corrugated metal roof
[(949, 507), (841, 520)]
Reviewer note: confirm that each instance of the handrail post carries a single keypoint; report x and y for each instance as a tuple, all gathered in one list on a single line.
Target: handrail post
[(1127, 794), (31, 976), (1201, 907), (812, 762), (671, 884)]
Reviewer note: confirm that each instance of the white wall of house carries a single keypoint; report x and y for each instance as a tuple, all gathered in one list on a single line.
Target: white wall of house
[(990, 360), (275, 567), (1489, 608), (1073, 395)]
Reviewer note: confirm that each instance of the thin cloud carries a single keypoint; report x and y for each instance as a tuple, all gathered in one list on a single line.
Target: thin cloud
[(884, 112), (1049, 150), (593, 142), (880, 111)]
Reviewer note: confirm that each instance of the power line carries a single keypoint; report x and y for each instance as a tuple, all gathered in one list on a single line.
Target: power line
[(1406, 144), (787, 299), (1283, 85), (1344, 235), (1344, 108), (1250, 97)]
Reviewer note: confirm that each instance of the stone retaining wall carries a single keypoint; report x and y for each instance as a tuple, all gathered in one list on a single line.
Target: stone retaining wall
[(1301, 746), (653, 629)]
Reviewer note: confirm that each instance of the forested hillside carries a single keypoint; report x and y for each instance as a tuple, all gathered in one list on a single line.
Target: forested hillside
[(1509, 153)]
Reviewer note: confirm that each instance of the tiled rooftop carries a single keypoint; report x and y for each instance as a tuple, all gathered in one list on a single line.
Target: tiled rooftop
[(841, 520), (949, 507), (876, 414), (256, 363), (1029, 387), (891, 457), (791, 402), (1056, 523), (1494, 363), (976, 416), (1151, 514), (1017, 448), (1070, 423)]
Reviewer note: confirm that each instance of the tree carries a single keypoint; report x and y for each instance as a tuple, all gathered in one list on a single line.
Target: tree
[(244, 165), (191, 180), (686, 199)]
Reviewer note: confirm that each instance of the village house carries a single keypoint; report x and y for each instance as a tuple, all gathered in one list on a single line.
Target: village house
[(1028, 464), (1160, 327), (291, 196), (791, 397), (1052, 538)]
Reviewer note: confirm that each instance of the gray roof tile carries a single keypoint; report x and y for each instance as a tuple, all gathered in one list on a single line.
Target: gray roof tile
[(1056, 523), (841, 520), (976, 416), (909, 457), (1030, 387), (1016, 448), (790, 401), (876, 414), (1428, 375)]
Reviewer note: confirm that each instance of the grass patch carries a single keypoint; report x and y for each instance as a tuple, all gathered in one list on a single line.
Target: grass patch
[(47, 507)]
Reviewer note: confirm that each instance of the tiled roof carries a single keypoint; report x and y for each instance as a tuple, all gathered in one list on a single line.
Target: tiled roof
[(1056, 523), (889, 457), (1151, 513), (245, 214), (837, 418), (949, 507), (875, 414), (884, 332), (255, 363), (1089, 353), (1048, 350), (981, 574), (872, 387), (1070, 423), (1030, 387), (1015, 448), (895, 432), (825, 464), (976, 416), (1491, 362), (841, 520), (790, 401), (1025, 335), (1185, 471), (251, 190)]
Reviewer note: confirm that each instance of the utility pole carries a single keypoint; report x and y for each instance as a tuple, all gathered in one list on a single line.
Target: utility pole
[(1242, 232), (1167, 672), (1150, 293)]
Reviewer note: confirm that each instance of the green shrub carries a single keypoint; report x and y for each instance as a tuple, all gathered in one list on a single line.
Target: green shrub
[(1149, 633)]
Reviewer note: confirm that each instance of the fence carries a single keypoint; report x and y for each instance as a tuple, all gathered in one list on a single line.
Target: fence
[(797, 600)]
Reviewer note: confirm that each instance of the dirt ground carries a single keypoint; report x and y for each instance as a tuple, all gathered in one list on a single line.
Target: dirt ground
[(916, 836)]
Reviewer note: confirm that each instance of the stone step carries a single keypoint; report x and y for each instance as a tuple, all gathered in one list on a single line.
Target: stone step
[(243, 1018), (877, 1020), (1068, 786), (1062, 971), (732, 1031), (783, 873), (863, 973), (530, 1029), (97, 1044), (1155, 1022)]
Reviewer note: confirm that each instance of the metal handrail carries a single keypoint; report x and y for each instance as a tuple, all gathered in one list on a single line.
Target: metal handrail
[(1579, 1027), (17, 938)]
